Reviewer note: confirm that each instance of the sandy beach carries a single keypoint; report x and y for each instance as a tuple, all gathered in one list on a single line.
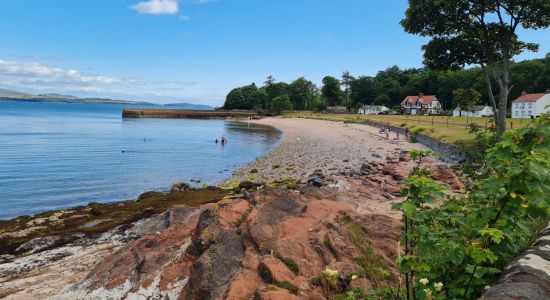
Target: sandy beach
[(332, 147)]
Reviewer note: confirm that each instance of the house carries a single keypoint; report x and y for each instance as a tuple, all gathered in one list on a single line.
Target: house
[(421, 104), (372, 109), (531, 105), (478, 111)]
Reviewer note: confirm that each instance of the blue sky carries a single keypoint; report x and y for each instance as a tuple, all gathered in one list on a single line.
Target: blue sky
[(197, 50)]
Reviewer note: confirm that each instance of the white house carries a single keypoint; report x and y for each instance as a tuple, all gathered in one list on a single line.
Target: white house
[(531, 105), (421, 104), (479, 111), (372, 109)]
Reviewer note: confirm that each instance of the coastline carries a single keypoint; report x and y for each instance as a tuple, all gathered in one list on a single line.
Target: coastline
[(357, 172)]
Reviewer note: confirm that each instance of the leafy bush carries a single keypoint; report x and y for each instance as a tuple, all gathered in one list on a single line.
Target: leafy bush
[(280, 104), (453, 247)]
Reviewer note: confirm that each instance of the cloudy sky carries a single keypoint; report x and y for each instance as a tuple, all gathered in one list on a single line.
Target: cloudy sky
[(197, 50)]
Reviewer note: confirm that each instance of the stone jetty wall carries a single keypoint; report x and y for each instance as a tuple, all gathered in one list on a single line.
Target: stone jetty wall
[(449, 153), (183, 114)]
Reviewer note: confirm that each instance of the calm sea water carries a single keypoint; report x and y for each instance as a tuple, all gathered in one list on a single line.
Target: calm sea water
[(55, 155)]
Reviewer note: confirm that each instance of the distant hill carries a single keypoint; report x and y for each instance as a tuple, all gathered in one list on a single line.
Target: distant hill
[(189, 106), (10, 95)]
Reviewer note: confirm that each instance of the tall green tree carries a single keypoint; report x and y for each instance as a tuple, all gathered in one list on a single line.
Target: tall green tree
[(281, 103), (483, 32), (331, 91), (466, 99), (347, 79), (302, 92)]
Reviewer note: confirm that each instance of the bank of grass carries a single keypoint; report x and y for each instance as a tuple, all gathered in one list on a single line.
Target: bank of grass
[(453, 130)]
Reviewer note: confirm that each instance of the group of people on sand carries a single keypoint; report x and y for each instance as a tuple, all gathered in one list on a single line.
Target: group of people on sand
[(387, 132), (223, 140)]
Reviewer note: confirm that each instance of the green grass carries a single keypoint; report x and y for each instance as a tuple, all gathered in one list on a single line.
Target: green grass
[(453, 130), (289, 262), (373, 267)]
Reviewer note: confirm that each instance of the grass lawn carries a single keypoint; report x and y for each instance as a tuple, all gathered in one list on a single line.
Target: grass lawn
[(452, 130)]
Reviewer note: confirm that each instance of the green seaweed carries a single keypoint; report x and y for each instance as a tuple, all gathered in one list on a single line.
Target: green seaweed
[(110, 215)]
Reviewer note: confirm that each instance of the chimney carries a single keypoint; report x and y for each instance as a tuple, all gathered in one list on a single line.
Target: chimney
[(420, 95), (548, 91), (523, 93)]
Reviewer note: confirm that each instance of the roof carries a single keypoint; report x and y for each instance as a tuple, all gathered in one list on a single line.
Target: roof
[(529, 98), (424, 100)]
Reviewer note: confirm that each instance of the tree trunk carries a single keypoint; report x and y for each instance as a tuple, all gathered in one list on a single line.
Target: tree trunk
[(503, 79), (490, 93)]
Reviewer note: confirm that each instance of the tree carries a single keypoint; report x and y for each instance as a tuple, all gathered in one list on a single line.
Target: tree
[(301, 93), (331, 91), (245, 97), (482, 32), (281, 103), (362, 91), (347, 79), (466, 99)]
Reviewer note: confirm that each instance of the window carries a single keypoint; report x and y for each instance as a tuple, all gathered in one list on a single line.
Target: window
[(530, 105), (529, 113), (523, 113)]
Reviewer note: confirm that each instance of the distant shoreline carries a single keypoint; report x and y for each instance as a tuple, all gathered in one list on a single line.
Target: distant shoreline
[(92, 101)]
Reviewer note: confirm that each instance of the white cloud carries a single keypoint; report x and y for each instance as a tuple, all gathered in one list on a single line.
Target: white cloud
[(40, 78), (157, 7)]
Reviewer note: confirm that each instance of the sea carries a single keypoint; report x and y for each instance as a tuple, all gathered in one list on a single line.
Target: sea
[(61, 155)]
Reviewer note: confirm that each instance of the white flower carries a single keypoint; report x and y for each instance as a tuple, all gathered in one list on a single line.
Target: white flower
[(438, 286), (353, 277), (424, 281), (428, 293)]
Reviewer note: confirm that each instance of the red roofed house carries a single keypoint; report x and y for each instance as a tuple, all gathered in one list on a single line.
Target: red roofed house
[(531, 105), (421, 104)]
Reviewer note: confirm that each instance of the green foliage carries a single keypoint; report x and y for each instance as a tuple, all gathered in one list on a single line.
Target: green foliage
[(302, 93), (331, 92), (288, 286), (467, 32), (289, 262), (329, 246), (483, 231), (388, 87), (280, 103), (466, 99), (247, 97)]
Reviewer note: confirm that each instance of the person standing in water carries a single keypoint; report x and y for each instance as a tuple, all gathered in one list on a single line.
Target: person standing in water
[(224, 140)]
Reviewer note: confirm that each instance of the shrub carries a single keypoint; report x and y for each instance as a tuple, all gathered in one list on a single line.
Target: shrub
[(281, 103), (482, 232)]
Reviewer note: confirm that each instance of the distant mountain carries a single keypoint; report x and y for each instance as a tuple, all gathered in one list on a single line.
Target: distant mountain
[(9, 95), (4, 93), (189, 106), (57, 96)]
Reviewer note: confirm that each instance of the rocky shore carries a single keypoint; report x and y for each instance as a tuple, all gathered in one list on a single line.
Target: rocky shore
[(310, 220)]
